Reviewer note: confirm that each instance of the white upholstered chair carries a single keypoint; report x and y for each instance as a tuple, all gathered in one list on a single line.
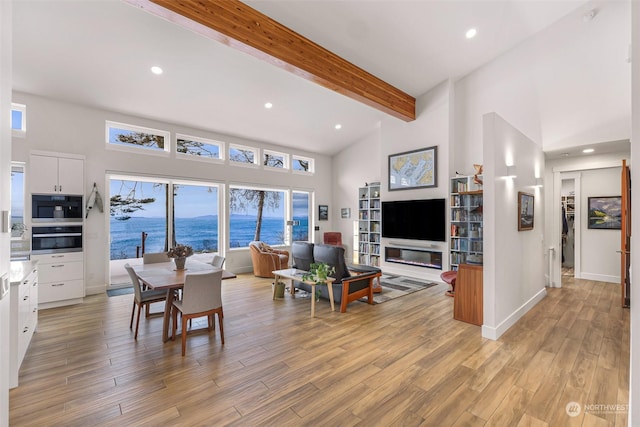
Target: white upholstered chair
[(217, 261), (155, 257), (142, 298), (201, 296)]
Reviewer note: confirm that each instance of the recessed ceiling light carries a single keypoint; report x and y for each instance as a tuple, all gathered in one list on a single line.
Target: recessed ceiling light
[(338, 126), (268, 105), (565, 154), (588, 150), (471, 33), (156, 70)]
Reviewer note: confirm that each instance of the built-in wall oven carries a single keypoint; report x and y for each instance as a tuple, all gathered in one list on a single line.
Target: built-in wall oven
[(56, 208), (54, 238)]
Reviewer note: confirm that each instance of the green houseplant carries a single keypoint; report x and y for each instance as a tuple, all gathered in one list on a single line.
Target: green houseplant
[(318, 273)]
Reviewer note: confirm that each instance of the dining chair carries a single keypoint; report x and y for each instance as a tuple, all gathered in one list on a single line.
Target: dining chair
[(155, 257), (218, 261), (142, 298), (201, 296)]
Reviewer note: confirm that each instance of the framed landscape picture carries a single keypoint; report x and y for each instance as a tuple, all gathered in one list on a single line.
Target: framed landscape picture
[(413, 169), (323, 212), (605, 213), (525, 211)]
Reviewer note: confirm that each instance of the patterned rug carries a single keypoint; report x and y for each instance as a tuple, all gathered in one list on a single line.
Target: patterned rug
[(397, 286), (120, 291)]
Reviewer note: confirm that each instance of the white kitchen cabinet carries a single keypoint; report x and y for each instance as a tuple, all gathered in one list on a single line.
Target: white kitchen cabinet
[(61, 278), (23, 318), (56, 175)]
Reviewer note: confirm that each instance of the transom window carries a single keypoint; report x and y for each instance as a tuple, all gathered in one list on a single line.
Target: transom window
[(302, 164), (130, 137), (242, 154), (201, 148), (274, 159), (18, 119)]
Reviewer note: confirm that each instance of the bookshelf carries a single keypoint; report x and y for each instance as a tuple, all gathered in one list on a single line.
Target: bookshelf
[(369, 224), (466, 221)]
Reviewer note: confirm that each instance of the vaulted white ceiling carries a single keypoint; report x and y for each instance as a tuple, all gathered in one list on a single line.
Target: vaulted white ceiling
[(99, 53)]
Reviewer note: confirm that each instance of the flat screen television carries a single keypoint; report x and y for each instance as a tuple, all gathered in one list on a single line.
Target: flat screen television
[(415, 219)]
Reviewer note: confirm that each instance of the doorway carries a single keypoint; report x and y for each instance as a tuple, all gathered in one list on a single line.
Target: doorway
[(568, 201)]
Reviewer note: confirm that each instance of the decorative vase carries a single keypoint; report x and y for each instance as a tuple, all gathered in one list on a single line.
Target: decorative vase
[(180, 262)]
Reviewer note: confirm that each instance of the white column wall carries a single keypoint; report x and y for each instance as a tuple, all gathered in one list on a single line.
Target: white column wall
[(5, 198), (513, 260)]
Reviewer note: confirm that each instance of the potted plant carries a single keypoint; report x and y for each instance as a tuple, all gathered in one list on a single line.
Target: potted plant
[(179, 253), (279, 289), (318, 273)]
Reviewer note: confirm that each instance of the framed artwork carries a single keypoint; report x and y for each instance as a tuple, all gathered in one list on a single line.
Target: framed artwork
[(525, 211), (413, 169), (323, 212), (605, 213), (345, 213)]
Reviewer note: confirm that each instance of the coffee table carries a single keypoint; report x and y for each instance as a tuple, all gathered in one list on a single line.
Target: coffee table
[(295, 274)]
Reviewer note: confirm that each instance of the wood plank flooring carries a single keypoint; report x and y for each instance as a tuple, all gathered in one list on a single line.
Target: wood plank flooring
[(405, 362)]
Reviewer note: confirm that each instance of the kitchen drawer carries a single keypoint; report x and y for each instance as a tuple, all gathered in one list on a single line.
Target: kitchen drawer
[(56, 258), (61, 271), (60, 291)]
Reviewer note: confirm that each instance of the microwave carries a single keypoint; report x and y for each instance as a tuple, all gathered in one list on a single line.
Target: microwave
[(56, 208)]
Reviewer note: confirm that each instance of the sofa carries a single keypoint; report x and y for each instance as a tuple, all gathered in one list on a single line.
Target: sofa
[(266, 259), (346, 288)]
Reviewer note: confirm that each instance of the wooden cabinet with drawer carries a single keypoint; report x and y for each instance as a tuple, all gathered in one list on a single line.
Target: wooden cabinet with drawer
[(61, 278), (468, 298)]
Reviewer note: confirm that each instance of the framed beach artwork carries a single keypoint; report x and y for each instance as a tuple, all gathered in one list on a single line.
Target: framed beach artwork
[(605, 213), (525, 211), (413, 169), (345, 213)]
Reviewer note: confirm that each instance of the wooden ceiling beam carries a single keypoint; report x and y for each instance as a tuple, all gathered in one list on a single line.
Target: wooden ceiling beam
[(239, 26)]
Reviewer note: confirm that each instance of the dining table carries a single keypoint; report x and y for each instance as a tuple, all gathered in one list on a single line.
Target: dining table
[(165, 275)]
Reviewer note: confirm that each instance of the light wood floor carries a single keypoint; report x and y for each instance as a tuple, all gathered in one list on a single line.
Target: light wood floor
[(405, 362)]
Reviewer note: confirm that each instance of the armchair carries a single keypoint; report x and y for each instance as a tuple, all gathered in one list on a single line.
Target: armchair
[(266, 259)]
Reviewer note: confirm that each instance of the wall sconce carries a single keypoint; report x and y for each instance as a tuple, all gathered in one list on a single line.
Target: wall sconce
[(539, 183), (511, 172)]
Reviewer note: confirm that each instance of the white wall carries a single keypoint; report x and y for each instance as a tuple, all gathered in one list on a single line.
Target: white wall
[(599, 259), (431, 128), (5, 199), (69, 128), (353, 167), (367, 160), (634, 382), (513, 260)]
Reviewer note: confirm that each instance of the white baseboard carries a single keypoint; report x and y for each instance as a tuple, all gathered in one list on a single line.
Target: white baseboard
[(600, 277), (95, 289), (493, 333)]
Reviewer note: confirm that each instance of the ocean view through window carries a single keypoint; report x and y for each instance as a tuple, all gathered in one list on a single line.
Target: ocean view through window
[(141, 211)]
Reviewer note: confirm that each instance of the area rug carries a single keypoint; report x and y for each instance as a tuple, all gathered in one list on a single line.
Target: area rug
[(120, 291), (398, 286)]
